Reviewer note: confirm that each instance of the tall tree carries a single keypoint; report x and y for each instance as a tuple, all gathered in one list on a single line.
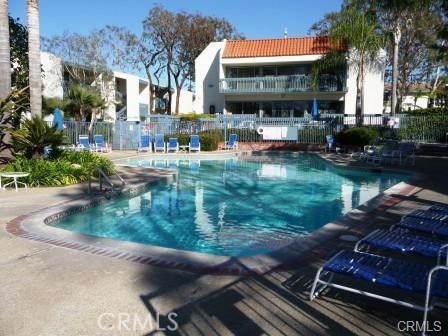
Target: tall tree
[(394, 17), (18, 41), (363, 41), (136, 53), (5, 63), (195, 32), (162, 28), (35, 77)]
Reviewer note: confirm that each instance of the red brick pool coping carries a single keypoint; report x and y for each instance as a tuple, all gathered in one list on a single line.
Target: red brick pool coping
[(33, 226)]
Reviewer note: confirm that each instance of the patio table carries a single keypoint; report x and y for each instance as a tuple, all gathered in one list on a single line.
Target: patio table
[(184, 148), (14, 176)]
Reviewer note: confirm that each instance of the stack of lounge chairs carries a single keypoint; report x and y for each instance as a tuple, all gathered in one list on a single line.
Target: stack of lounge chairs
[(422, 233), (392, 152)]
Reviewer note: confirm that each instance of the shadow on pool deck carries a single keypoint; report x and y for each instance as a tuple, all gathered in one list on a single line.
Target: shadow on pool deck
[(277, 303)]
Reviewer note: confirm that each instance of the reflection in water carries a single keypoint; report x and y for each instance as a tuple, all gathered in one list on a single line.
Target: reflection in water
[(233, 207)]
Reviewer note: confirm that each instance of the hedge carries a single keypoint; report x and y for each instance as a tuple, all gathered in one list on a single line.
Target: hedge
[(358, 136), (427, 111)]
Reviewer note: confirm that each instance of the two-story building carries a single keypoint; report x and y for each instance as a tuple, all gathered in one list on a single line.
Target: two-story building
[(126, 95), (272, 78)]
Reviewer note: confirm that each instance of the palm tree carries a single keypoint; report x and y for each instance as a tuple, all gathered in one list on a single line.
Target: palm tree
[(5, 62), (32, 13), (80, 100), (363, 42)]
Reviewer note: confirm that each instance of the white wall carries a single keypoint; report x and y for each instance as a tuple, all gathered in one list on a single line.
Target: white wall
[(373, 87), (207, 74), (185, 102), (52, 83)]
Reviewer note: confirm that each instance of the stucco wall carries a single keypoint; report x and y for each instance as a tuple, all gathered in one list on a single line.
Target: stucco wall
[(52, 82), (208, 68)]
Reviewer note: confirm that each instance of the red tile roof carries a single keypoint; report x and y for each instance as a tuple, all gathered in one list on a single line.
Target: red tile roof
[(293, 46)]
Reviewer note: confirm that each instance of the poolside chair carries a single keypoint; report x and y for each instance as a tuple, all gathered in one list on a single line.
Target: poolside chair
[(331, 144), (232, 143), (405, 242), (145, 143), (100, 145), (173, 145), (83, 143), (194, 144), (368, 151), (429, 214), (428, 226), (439, 207), (379, 271), (385, 154), (159, 144), (406, 152)]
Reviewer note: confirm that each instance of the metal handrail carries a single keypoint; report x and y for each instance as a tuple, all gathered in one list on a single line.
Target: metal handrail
[(102, 174)]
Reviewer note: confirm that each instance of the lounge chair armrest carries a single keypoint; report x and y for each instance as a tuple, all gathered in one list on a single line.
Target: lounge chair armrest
[(439, 255)]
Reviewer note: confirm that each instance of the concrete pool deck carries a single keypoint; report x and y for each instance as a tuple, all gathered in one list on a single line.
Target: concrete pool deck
[(49, 290)]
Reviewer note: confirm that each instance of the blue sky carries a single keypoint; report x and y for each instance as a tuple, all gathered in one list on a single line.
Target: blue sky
[(255, 19)]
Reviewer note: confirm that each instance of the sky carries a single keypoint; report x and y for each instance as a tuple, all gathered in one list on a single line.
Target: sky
[(255, 19)]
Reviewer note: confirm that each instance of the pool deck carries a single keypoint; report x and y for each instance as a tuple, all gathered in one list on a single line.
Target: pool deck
[(50, 290)]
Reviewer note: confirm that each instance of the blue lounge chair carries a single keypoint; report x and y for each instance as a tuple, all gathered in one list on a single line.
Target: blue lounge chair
[(425, 225), (331, 144), (83, 143), (100, 145), (145, 143), (173, 145), (429, 214), (194, 144), (159, 144), (439, 207), (405, 242), (232, 143), (431, 281)]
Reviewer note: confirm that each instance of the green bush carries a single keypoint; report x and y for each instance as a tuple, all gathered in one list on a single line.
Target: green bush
[(358, 136), (193, 116), (69, 168), (245, 134), (34, 135), (428, 111), (183, 139), (209, 141)]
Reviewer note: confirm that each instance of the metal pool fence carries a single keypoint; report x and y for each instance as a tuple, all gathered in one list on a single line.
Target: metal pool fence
[(126, 134)]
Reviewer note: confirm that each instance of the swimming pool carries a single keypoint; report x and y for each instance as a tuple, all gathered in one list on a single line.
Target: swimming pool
[(233, 207)]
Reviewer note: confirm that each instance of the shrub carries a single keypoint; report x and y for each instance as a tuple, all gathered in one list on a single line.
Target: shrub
[(209, 141), (183, 139), (69, 168), (193, 116), (245, 134), (428, 111), (358, 136), (34, 135)]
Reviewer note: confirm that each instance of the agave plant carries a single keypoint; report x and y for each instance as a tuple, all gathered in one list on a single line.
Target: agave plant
[(34, 135)]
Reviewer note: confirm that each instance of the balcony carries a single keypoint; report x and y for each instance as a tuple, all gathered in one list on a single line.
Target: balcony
[(281, 84)]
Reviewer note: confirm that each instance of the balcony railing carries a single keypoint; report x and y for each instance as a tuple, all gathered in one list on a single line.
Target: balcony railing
[(281, 84)]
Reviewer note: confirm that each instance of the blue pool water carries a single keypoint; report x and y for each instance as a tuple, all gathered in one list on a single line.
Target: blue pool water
[(233, 207)]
